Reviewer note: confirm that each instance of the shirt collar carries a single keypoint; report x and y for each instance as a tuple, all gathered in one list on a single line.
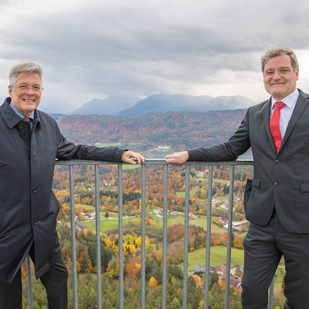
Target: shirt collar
[(289, 100), (17, 112)]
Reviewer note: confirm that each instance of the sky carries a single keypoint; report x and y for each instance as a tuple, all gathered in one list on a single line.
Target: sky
[(96, 48)]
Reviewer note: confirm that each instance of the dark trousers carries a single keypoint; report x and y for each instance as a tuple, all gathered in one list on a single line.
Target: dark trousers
[(54, 280), (264, 247)]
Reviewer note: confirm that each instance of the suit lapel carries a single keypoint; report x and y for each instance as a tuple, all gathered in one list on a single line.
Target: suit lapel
[(298, 110), (266, 117)]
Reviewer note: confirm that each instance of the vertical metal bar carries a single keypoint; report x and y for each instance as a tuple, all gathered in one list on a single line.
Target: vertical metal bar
[(143, 253), (98, 236), (271, 294), (186, 238), (30, 296), (120, 233), (164, 266), (229, 238), (73, 237), (208, 236)]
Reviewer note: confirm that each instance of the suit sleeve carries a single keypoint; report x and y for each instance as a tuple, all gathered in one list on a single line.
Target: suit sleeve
[(237, 145)]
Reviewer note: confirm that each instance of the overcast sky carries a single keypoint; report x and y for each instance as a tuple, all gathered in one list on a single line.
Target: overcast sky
[(95, 48)]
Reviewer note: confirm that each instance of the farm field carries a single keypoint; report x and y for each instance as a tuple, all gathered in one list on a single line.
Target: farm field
[(106, 224), (217, 257)]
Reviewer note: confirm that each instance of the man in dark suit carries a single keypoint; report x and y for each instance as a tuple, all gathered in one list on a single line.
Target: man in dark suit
[(277, 198), (30, 143)]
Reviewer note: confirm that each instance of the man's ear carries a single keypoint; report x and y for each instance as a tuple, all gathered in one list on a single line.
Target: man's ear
[(10, 91), (297, 73)]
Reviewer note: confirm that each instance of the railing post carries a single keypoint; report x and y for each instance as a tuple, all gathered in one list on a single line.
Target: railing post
[(271, 294), (98, 236), (208, 236), (73, 237), (229, 239), (30, 296), (164, 258), (143, 238), (186, 236), (120, 235)]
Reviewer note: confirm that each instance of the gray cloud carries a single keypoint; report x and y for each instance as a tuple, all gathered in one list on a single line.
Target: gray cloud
[(97, 48)]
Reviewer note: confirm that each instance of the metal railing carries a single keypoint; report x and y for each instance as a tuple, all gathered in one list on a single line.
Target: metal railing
[(150, 161)]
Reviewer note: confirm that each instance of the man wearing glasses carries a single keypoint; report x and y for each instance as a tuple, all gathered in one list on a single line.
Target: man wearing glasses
[(30, 143)]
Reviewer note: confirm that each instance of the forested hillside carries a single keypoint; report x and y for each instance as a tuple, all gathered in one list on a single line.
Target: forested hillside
[(178, 130)]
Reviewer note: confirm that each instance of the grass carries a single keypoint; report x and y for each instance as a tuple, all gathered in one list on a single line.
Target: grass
[(201, 222), (278, 294), (182, 193), (217, 257), (224, 197), (109, 224), (157, 222), (87, 206), (111, 214), (130, 166)]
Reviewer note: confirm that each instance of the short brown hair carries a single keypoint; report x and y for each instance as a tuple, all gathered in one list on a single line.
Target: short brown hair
[(277, 51)]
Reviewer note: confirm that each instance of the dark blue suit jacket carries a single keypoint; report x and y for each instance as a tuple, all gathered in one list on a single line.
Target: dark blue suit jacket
[(28, 207)]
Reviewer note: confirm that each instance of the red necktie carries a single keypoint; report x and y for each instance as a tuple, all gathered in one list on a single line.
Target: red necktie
[(274, 125)]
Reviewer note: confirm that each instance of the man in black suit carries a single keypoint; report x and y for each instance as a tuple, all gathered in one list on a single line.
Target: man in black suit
[(277, 198)]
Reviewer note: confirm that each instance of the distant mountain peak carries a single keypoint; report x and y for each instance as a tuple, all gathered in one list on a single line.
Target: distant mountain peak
[(160, 103), (109, 106)]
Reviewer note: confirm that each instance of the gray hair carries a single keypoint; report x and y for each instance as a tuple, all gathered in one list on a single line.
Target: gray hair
[(27, 67), (278, 51)]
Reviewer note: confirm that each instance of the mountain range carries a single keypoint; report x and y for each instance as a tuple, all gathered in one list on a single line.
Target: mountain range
[(109, 106), (160, 103), (156, 103)]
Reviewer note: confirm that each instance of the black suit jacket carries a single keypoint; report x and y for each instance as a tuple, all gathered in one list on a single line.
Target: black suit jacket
[(280, 179)]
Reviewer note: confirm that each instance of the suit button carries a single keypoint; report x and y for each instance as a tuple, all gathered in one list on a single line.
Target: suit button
[(277, 161), (34, 189), (35, 221), (276, 184)]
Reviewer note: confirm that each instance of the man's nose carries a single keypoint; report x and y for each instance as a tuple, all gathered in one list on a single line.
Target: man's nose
[(276, 75), (29, 90)]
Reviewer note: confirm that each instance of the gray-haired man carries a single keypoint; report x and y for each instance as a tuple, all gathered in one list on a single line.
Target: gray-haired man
[(30, 143)]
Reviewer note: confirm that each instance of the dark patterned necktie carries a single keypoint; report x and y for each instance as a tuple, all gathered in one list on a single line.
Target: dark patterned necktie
[(28, 129)]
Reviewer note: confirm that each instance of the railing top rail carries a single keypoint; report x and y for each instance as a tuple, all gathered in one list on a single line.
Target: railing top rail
[(153, 161)]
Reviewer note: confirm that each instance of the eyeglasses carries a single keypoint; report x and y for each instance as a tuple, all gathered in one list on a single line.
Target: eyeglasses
[(26, 88), (282, 71)]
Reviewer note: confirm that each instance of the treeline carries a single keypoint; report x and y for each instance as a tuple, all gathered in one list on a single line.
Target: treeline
[(87, 293), (201, 129), (86, 266)]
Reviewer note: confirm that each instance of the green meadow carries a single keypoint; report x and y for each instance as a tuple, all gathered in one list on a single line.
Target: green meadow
[(106, 224), (217, 257), (182, 193)]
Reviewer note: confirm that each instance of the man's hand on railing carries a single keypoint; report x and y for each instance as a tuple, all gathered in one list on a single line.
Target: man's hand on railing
[(177, 157), (130, 154)]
